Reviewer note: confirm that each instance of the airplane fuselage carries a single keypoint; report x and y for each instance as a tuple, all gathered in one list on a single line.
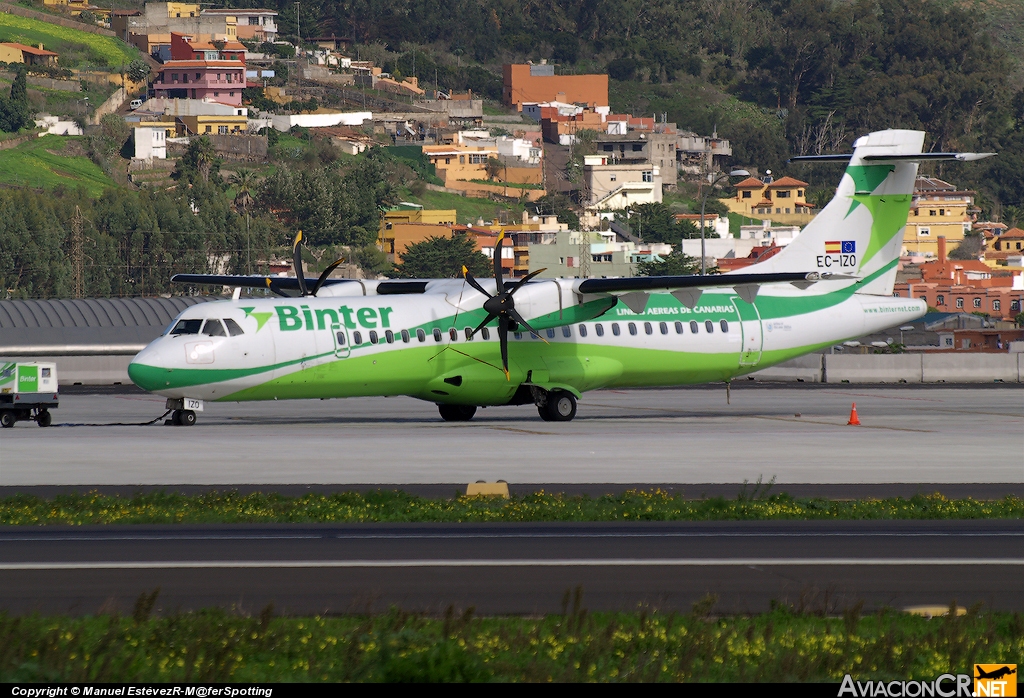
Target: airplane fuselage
[(418, 345)]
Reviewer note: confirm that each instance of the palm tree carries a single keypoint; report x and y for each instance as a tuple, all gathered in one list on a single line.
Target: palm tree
[(245, 180)]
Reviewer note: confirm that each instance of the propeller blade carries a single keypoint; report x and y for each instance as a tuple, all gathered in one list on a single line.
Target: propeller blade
[(297, 264), (473, 282), (325, 273), (275, 289), (520, 282), (497, 263), (490, 316), (503, 342), (514, 314)]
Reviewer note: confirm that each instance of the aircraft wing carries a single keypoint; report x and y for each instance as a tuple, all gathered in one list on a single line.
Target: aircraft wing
[(688, 289)]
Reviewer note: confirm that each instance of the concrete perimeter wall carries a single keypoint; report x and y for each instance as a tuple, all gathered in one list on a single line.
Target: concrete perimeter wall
[(898, 368)]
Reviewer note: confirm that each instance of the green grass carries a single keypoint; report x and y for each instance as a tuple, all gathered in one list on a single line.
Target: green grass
[(780, 646), (74, 46), (469, 209), (36, 164), (391, 506), (510, 185)]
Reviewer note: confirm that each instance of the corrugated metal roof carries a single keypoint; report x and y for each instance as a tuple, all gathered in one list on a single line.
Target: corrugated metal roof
[(89, 321)]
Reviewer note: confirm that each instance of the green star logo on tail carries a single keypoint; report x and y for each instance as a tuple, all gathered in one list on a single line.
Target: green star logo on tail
[(261, 318)]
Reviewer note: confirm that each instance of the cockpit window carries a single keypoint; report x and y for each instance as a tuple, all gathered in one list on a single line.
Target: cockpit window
[(187, 327), (213, 328), (233, 329)]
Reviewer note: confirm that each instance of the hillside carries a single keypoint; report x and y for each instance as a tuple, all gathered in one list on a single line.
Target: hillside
[(76, 48), (50, 162)]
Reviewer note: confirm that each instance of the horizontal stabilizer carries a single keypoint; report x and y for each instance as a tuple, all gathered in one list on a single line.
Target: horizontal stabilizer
[(913, 157)]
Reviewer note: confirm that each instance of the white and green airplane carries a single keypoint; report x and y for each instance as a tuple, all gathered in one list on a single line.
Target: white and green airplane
[(466, 343)]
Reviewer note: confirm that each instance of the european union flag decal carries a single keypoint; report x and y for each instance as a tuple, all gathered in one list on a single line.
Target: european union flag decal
[(849, 246)]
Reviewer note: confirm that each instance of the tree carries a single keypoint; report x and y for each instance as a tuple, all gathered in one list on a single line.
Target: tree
[(370, 259), (655, 223), (676, 264), (442, 258), (138, 70), (493, 167), (14, 111), (200, 160), (244, 180)]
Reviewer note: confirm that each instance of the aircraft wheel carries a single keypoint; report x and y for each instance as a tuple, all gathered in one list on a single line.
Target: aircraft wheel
[(456, 413), (44, 418), (7, 419), (560, 407), (186, 418)]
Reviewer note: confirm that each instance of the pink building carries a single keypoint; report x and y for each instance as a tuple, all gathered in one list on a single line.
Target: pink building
[(219, 75)]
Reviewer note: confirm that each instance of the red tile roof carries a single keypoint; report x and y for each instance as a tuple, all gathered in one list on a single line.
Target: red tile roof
[(29, 49), (786, 182), (750, 183)]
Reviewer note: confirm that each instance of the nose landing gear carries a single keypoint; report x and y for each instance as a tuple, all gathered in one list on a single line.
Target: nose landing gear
[(182, 418)]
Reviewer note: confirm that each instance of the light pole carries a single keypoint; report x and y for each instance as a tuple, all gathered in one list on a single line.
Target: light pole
[(703, 203)]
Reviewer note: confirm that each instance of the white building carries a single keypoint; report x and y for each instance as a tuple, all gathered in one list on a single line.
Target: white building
[(613, 187), (751, 236), (150, 139), (57, 126), (284, 122)]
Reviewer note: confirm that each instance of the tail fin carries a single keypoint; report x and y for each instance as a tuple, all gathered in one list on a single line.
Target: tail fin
[(859, 233)]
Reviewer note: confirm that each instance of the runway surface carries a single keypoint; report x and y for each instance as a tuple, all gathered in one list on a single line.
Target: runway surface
[(797, 434), (515, 568)]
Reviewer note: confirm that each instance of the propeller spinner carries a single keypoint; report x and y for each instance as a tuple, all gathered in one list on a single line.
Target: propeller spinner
[(502, 305)]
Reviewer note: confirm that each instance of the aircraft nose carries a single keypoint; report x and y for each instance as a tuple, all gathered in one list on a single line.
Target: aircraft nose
[(146, 370)]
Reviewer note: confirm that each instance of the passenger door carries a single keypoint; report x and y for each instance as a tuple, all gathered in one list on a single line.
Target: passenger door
[(751, 332)]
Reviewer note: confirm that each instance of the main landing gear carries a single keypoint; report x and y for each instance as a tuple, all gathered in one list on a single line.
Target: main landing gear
[(553, 406), (457, 413), (557, 406)]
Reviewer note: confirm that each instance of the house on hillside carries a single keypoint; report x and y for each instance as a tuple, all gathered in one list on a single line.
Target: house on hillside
[(778, 200), (11, 52), (612, 186), (219, 75), (938, 209), (538, 83)]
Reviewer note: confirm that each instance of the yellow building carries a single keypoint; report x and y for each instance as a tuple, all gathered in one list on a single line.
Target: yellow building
[(177, 10), (211, 124), (938, 209), (782, 201), (403, 227), (460, 162)]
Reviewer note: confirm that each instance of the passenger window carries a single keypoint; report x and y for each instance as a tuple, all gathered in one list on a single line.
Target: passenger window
[(421, 335), (679, 327), (709, 326), (389, 336), (485, 333), (632, 328), (213, 328), (533, 335), (233, 329), (341, 339), (187, 327), (453, 334), (405, 336), (600, 329), (583, 330), (357, 338), (663, 327), (373, 337), (693, 327), (648, 329), (724, 324), (469, 334), (437, 335), (551, 333), (517, 335), (615, 329), (566, 331)]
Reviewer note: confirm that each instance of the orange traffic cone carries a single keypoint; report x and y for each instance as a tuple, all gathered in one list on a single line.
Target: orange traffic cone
[(854, 421)]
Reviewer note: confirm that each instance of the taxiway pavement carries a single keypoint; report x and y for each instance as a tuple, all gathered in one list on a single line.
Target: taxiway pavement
[(963, 434), (515, 568)]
